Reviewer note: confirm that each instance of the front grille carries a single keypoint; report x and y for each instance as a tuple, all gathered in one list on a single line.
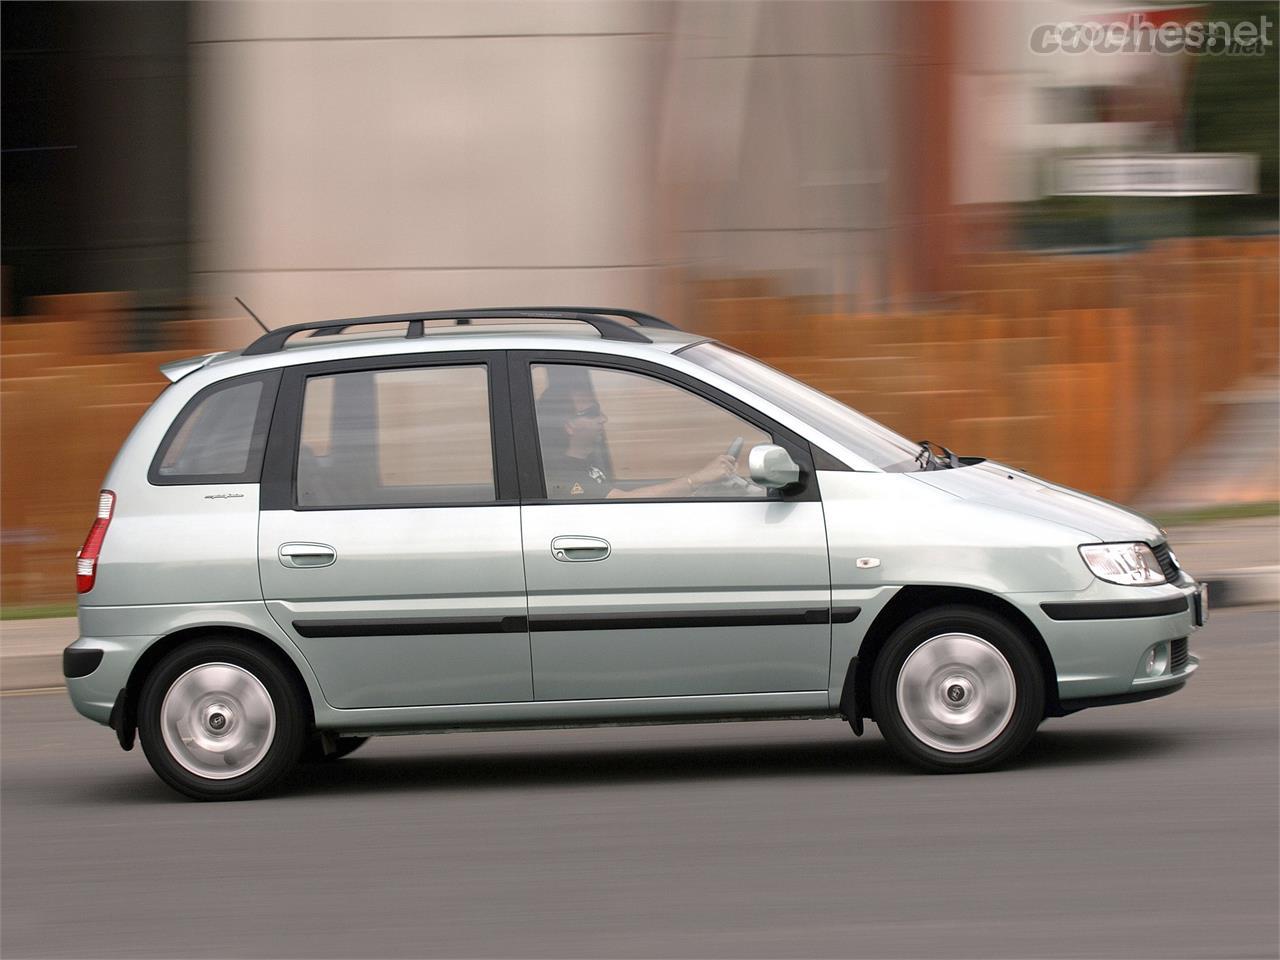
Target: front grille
[(1178, 655), (1167, 564)]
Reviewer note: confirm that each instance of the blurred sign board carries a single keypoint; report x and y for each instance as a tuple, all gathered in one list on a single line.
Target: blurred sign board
[(1157, 175)]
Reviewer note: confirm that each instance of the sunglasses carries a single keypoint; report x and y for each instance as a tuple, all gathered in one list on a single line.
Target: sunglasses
[(591, 412)]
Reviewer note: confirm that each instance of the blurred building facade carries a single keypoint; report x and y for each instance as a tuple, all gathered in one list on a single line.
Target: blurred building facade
[(96, 188), (358, 157), (336, 157), (840, 188)]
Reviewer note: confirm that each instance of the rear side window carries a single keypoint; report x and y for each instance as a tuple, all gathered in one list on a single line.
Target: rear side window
[(418, 436), (220, 435)]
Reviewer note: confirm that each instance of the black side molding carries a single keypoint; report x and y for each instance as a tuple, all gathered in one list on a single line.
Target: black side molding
[(1114, 609), (1136, 696), (409, 627), (419, 626), (659, 621), (79, 663)]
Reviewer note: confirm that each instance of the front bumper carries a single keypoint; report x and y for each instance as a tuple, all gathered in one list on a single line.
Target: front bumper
[(1100, 639), (1066, 707)]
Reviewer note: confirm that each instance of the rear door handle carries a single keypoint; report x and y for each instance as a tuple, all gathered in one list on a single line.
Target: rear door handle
[(307, 554), (579, 549)]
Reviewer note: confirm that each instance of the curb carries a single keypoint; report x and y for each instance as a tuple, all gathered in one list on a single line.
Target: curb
[(1248, 587), (31, 672)]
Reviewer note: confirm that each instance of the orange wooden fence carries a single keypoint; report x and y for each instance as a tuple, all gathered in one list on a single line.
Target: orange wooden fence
[(1092, 371), (69, 395)]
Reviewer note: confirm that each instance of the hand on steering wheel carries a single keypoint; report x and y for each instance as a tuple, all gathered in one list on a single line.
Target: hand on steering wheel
[(734, 479), (720, 470), (722, 473)]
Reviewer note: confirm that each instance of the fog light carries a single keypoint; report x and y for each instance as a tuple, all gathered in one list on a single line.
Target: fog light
[(1156, 660)]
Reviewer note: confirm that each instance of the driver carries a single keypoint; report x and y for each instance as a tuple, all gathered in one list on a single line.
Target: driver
[(572, 428)]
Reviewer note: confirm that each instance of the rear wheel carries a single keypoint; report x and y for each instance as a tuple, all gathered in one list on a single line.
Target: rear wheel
[(220, 720), (957, 689)]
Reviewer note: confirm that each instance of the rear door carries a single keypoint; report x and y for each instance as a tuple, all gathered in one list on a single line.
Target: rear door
[(661, 589), (389, 535)]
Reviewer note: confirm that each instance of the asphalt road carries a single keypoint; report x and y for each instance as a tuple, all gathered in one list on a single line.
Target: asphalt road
[(1149, 830)]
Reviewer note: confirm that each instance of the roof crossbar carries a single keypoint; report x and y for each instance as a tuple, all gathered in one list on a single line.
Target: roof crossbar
[(598, 318)]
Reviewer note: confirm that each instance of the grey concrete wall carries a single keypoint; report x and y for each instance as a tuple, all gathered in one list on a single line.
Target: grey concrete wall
[(355, 158), (778, 141)]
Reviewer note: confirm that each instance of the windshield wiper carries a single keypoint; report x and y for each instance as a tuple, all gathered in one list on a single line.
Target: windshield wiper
[(926, 457)]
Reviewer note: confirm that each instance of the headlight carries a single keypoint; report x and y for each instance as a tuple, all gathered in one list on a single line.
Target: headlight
[(1131, 564)]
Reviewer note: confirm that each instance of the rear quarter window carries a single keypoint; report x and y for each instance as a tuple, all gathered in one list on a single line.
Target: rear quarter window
[(220, 435)]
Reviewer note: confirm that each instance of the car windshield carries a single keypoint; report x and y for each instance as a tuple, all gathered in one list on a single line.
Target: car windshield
[(872, 441)]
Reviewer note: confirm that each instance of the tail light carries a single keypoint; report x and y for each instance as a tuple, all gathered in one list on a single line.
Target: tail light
[(87, 558)]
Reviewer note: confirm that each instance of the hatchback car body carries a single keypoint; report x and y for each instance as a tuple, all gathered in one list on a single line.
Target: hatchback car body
[(527, 517)]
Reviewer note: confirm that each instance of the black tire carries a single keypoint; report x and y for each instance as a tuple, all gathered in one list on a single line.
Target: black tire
[(253, 672), (947, 682), (314, 751)]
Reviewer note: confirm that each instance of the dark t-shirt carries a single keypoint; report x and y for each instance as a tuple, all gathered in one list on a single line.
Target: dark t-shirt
[(569, 478)]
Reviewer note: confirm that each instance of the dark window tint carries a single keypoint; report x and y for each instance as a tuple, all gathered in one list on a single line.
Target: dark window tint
[(218, 437)]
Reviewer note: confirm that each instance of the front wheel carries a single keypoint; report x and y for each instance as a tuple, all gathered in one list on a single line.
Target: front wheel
[(220, 720), (957, 690)]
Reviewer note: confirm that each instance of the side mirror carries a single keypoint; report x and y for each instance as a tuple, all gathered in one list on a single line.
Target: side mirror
[(772, 467)]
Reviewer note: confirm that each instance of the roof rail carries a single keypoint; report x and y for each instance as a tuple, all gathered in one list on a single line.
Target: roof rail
[(640, 319), (464, 317), (597, 318)]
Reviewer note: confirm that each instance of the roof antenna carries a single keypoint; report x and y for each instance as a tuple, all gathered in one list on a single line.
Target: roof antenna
[(252, 314)]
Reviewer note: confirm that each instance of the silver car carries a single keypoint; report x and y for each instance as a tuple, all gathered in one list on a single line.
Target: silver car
[(529, 517)]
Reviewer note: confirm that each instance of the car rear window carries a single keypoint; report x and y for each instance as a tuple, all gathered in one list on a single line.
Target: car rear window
[(219, 436)]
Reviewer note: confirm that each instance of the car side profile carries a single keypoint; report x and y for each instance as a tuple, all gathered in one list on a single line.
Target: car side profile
[(556, 516)]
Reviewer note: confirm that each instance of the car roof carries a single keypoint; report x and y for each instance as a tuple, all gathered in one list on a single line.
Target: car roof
[(481, 336), (387, 336)]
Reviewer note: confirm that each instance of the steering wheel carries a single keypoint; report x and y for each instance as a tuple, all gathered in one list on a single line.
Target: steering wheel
[(732, 484)]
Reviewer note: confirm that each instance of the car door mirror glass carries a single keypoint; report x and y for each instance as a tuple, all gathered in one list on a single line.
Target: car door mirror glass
[(772, 467)]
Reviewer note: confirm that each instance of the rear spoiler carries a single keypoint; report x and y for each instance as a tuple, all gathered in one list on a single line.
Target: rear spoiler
[(177, 369)]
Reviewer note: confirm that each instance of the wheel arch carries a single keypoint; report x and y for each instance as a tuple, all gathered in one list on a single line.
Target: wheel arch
[(911, 600), (125, 713)]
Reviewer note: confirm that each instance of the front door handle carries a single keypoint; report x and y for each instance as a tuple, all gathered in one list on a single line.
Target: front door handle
[(307, 554), (579, 549)]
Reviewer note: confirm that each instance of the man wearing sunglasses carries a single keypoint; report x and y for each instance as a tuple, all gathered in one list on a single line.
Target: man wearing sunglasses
[(572, 427)]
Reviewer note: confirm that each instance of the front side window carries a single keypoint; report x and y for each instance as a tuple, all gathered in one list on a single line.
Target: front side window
[(416, 436), (218, 438), (613, 434)]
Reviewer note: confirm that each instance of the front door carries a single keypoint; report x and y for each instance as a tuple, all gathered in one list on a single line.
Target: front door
[(389, 538), (654, 569)]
